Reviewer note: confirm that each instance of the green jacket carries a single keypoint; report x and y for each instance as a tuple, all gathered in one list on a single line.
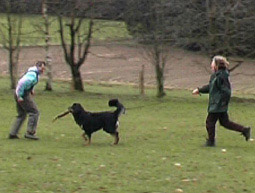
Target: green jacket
[(219, 90)]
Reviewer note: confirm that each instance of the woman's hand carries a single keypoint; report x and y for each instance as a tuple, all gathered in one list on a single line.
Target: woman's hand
[(195, 91)]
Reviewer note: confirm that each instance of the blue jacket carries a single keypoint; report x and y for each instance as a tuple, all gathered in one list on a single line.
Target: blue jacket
[(27, 82)]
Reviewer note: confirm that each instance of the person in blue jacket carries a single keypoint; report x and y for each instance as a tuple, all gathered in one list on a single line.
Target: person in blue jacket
[(25, 104), (219, 90)]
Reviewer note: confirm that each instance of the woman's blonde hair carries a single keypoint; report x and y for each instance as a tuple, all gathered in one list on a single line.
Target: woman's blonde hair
[(221, 62)]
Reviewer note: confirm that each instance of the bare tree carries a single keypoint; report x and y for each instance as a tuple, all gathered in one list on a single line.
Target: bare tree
[(42, 27), (151, 27), (11, 37), (77, 49), (157, 54)]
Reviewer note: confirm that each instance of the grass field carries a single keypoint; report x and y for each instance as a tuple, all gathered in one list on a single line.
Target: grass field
[(160, 150), (32, 35)]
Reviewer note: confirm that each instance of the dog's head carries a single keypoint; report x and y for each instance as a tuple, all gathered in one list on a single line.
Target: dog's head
[(76, 108)]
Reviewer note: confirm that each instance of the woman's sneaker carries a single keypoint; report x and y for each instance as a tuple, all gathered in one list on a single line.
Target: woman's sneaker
[(31, 136), (13, 136)]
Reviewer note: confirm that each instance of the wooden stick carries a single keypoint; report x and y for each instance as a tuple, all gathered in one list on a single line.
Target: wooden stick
[(61, 115)]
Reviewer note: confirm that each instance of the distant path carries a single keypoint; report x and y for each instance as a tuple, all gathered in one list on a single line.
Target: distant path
[(121, 64)]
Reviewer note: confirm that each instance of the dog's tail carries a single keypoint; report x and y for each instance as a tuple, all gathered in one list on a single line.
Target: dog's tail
[(120, 108)]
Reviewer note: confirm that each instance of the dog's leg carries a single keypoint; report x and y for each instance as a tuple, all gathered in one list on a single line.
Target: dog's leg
[(84, 136), (116, 138), (89, 141), (117, 133)]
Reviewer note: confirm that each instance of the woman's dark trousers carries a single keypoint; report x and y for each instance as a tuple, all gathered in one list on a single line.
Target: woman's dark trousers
[(211, 120)]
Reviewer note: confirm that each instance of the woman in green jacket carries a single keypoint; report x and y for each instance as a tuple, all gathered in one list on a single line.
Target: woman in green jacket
[(219, 90)]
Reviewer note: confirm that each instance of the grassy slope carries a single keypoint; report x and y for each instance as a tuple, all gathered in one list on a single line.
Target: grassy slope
[(155, 134), (32, 35)]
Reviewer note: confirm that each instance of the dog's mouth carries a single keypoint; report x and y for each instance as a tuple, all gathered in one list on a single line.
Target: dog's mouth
[(70, 109)]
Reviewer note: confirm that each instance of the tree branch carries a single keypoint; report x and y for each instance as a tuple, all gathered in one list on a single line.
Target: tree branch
[(239, 63), (87, 44), (61, 31)]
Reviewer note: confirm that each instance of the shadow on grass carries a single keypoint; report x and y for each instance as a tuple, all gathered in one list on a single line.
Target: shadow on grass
[(243, 100)]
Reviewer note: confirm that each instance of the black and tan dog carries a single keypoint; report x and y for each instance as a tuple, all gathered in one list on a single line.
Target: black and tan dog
[(91, 122)]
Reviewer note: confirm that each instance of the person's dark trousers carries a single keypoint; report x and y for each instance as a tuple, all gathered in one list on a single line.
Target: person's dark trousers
[(211, 120), (29, 107)]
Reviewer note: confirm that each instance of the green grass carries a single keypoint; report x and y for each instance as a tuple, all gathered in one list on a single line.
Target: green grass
[(155, 135), (32, 35)]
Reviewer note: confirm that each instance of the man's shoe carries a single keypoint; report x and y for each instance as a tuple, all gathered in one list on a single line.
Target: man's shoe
[(13, 136), (247, 133), (209, 143), (31, 136)]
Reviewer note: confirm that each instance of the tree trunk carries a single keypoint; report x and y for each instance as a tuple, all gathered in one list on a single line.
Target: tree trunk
[(160, 81), (77, 79), (159, 63), (11, 40), (48, 86), (13, 70), (142, 81)]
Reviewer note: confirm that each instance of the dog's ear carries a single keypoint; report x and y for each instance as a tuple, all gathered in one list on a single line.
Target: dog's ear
[(75, 105), (113, 102)]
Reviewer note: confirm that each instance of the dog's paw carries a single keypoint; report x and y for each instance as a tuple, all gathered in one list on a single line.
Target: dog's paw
[(84, 137), (116, 143)]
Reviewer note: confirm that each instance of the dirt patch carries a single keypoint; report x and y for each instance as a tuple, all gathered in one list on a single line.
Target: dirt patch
[(122, 64)]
